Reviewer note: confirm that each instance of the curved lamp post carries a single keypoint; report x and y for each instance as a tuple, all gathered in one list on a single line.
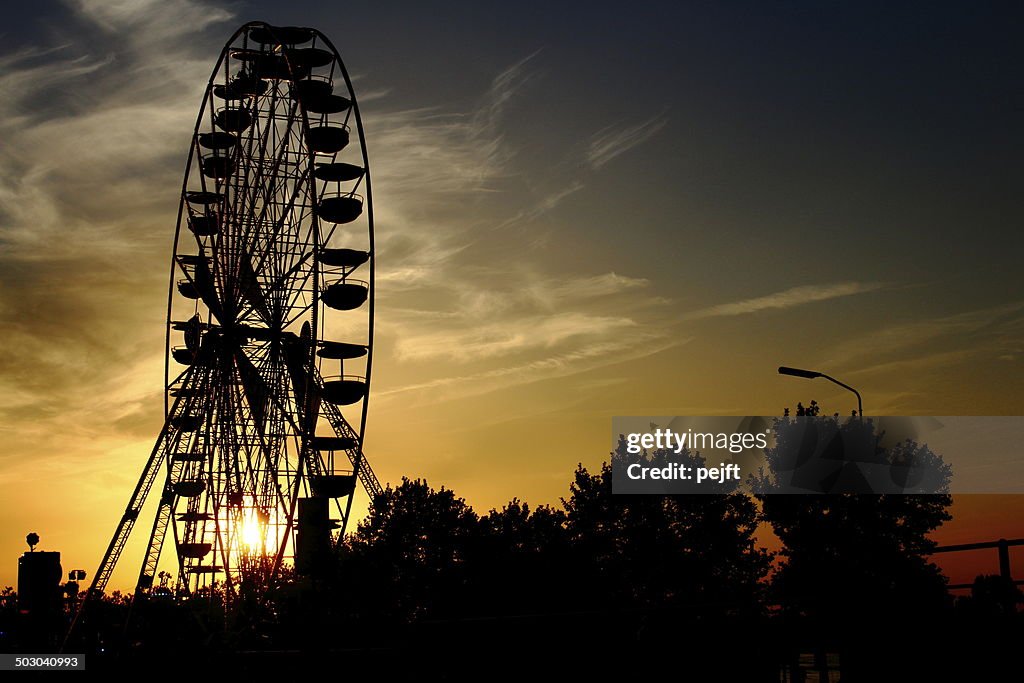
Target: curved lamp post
[(812, 374)]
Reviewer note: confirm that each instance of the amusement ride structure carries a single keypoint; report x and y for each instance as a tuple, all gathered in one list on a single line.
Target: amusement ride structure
[(262, 441)]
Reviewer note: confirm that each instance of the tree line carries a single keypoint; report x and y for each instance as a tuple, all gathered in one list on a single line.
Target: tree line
[(608, 576)]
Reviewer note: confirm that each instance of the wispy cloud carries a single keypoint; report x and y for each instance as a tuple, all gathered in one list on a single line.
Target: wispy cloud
[(542, 205), (431, 168), (789, 298), (612, 141), (604, 285), (601, 148), (576, 361), (505, 86), (436, 155), (436, 173), (158, 18), (532, 323), (505, 338), (993, 332), (87, 187)]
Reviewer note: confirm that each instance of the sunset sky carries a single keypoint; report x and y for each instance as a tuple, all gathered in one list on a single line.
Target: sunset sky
[(583, 210)]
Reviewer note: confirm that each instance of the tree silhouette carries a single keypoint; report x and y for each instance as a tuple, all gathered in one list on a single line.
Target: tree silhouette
[(856, 565), (692, 551), (680, 568), (992, 597), (411, 552), (523, 562)]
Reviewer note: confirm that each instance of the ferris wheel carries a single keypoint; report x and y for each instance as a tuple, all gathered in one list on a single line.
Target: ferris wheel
[(269, 324)]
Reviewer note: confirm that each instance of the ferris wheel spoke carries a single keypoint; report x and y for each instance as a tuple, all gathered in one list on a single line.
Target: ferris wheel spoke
[(299, 308), (273, 157), (283, 257), (267, 374), (274, 254), (237, 282), (265, 127)]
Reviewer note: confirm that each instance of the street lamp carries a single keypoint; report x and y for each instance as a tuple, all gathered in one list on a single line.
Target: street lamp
[(812, 374)]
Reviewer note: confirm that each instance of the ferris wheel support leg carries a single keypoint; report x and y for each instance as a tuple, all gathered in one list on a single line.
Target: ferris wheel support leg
[(347, 514), (124, 527), (156, 541), (359, 462)]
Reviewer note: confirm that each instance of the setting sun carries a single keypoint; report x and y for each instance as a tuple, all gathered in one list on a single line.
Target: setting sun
[(252, 532)]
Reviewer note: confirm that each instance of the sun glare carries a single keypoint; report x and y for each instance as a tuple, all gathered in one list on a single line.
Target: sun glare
[(252, 532)]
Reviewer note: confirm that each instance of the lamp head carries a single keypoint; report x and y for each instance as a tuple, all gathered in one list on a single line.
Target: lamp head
[(797, 372)]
